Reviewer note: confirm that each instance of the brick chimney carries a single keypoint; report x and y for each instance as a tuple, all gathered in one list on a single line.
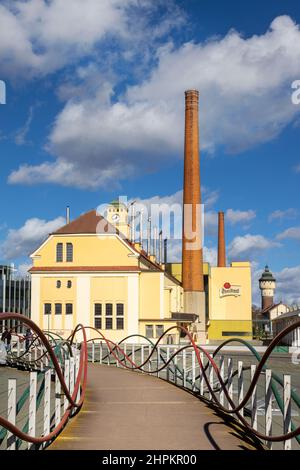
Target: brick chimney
[(221, 241), (192, 259)]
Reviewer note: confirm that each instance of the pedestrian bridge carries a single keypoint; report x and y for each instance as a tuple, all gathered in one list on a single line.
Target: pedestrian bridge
[(125, 410), (79, 394)]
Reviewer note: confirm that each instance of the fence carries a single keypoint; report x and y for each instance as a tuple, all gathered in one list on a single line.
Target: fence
[(263, 401), (41, 401)]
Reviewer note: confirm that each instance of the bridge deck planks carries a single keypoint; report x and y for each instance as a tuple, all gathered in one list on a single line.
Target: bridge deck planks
[(127, 410)]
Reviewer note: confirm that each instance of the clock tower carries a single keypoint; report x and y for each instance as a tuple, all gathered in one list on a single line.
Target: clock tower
[(117, 215)]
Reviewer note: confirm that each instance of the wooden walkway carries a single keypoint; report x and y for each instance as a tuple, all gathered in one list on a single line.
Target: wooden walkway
[(131, 411)]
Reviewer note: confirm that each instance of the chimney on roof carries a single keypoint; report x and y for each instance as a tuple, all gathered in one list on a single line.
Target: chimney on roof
[(221, 241), (68, 215)]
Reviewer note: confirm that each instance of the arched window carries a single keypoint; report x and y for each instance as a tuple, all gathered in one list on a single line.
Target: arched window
[(59, 252), (69, 252)]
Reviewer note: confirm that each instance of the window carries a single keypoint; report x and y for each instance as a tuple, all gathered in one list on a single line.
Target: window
[(69, 252), (159, 330), (58, 284), (149, 331), (120, 316), (47, 309), (98, 314), (58, 309), (69, 309), (108, 315), (69, 284), (59, 252)]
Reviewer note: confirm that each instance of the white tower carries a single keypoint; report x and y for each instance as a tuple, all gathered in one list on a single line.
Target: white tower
[(117, 215), (267, 285)]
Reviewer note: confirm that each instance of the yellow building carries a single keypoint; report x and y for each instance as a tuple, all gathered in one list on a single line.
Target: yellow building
[(88, 272), (228, 299)]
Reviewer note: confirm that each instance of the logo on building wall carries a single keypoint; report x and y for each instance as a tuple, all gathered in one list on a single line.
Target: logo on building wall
[(229, 289)]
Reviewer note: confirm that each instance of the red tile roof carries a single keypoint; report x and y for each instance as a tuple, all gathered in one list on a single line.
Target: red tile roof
[(90, 222)]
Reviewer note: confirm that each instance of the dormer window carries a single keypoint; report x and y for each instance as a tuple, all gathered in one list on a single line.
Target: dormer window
[(69, 252), (59, 252)]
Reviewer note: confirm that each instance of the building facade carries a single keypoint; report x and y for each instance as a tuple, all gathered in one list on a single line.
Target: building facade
[(88, 272), (228, 299), (15, 294)]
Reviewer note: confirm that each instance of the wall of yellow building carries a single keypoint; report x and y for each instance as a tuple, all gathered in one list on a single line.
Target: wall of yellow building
[(88, 250), (176, 270), (166, 325), (49, 293), (114, 290), (150, 295), (230, 313), (238, 328)]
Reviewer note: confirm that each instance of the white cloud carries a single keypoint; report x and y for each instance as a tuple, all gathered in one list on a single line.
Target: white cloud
[(288, 285), (237, 216), (245, 100), (22, 269), (281, 215), (249, 246), (42, 36), (21, 242), (173, 204), (210, 254), (292, 232)]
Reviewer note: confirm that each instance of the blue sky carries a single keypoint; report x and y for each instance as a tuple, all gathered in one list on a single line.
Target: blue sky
[(94, 110)]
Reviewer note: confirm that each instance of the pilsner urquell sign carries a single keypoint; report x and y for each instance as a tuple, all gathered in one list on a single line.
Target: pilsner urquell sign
[(228, 289)]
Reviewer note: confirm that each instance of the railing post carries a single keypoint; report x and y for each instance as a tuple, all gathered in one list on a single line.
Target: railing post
[(67, 381), (168, 366), (184, 367), (175, 367), (77, 365), (132, 355), (230, 384), (149, 362), (158, 357), (100, 352), (47, 397), (11, 412), (211, 379), (240, 386), (202, 375), (93, 352), (108, 354), (268, 406), (287, 410), (222, 375), (32, 405), (142, 356), (193, 369), (57, 400), (72, 371), (253, 400)]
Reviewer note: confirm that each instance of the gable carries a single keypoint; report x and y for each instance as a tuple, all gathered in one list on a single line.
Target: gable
[(88, 250)]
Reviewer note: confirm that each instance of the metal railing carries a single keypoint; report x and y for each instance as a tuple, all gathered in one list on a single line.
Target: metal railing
[(261, 400), (38, 409)]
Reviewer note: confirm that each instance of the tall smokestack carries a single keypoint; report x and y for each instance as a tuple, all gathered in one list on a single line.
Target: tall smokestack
[(221, 241), (192, 255)]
